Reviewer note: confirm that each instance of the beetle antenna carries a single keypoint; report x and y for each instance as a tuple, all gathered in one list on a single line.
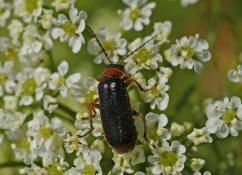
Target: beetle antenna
[(138, 48), (99, 43)]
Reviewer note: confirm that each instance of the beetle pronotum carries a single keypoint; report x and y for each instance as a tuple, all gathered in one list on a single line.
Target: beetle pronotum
[(114, 104)]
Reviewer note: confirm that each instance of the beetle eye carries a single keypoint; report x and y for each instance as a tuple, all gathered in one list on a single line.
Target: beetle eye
[(113, 85)]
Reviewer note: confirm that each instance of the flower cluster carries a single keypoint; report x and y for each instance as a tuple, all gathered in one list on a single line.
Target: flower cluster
[(189, 52), (46, 109)]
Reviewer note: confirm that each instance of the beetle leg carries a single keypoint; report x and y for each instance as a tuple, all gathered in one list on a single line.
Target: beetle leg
[(91, 126), (91, 110), (129, 81), (144, 122)]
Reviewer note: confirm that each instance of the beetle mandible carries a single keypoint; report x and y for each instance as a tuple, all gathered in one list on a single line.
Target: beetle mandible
[(114, 104)]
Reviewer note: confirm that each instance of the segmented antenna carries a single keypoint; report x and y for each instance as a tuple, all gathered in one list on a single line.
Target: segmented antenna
[(99, 43), (135, 50)]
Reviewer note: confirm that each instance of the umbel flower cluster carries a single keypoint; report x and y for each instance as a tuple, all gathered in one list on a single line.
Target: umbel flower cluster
[(44, 134)]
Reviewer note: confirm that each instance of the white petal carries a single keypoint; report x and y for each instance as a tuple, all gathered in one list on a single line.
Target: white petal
[(63, 68), (223, 131)]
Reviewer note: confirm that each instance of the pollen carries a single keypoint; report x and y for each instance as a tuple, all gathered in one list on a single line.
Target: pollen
[(134, 14), (2, 79), (109, 45), (187, 52), (31, 5), (69, 28), (168, 158), (29, 86), (152, 134), (89, 170), (142, 56), (45, 132), (229, 115)]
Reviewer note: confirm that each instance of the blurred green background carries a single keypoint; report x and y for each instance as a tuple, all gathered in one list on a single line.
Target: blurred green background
[(218, 21)]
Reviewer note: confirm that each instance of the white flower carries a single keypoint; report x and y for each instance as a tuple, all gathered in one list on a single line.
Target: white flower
[(73, 142), (50, 103), (30, 84), (155, 127), (15, 28), (168, 159), (23, 152), (10, 102), (5, 74), (89, 162), (70, 30), (177, 129), (199, 136), (188, 2), (43, 132), (86, 91), (5, 11), (188, 53), (98, 145), (59, 82), (197, 164), (204, 173), (31, 40), (83, 124), (62, 4), (137, 15), (146, 57), (122, 164), (137, 155), (29, 10), (12, 120), (46, 18), (225, 117), (112, 43), (235, 75), (34, 169), (157, 96), (162, 30)]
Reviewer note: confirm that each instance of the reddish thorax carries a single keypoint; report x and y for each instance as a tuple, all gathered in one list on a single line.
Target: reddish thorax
[(111, 72)]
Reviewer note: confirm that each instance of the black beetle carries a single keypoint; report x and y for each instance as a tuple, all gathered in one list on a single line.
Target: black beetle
[(114, 104)]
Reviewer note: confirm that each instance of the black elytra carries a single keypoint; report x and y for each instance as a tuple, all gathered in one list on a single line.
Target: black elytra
[(116, 114)]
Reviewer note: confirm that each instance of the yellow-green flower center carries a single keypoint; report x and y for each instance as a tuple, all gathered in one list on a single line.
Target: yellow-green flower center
[(187, 52), (56, 169), (29, 86), (45, 132), (168, 158), (31, 5), (89, 96), (69, 28), (74, 142), (11, 52), (25, 144), (155, 91), (229, 115), (134, 14), (142, 56), (109, 45), (1, 11), (2, 79), (61, 80), (152, 134), (89, 170)]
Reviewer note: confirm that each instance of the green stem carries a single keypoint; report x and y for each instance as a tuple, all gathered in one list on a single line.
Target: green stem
[(12, 164), (62, 116), (184, 98), (67, 110), (52, 62)]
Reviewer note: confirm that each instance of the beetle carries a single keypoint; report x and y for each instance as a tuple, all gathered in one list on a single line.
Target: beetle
[(114, 104)]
